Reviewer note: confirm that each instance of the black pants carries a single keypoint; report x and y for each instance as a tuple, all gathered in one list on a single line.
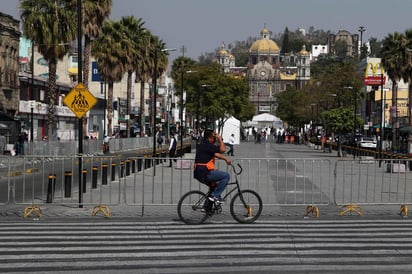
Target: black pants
[(230, 152), (172, 154)]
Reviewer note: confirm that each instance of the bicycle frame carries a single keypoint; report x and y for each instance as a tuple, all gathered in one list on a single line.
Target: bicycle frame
[(235, 182)]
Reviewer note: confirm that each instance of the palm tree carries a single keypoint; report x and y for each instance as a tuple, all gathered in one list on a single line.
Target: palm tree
[(51, 25), (143, 74), (392, 55), (158, 64), (407, 65), (135, 31), (108, 49), (94, 14)]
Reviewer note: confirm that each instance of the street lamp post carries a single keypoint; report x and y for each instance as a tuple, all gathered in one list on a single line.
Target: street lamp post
[(181, 111), (361, 30), (382, 122), (32, 96)]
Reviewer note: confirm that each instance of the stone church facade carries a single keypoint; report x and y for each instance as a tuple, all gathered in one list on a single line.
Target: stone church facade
[(9, 65)]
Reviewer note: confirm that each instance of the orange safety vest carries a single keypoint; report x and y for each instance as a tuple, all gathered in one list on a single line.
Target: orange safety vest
[(209, 165)]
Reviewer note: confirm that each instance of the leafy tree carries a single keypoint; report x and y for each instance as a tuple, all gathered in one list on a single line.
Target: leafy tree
[(340, 121), (285, 41), (51, 25), (215, 96)]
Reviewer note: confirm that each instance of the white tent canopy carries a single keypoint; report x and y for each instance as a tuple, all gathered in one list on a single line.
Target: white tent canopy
[(231, 126), (265, 117), (265, 120)]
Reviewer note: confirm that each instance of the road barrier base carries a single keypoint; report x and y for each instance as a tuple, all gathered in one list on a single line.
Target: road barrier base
[(33, 209), (103, 209), (351, 208)]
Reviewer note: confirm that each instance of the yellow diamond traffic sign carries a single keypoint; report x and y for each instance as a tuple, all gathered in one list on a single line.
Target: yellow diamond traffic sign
[(79, 100)]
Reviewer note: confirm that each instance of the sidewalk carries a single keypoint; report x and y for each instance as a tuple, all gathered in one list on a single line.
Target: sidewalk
[(168, 212)]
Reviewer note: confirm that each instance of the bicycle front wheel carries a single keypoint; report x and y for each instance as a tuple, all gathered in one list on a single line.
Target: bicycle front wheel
[(246, 206), (190, 208)]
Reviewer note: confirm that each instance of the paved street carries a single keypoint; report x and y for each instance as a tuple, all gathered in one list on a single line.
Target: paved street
[(119, 246), (67, 239)]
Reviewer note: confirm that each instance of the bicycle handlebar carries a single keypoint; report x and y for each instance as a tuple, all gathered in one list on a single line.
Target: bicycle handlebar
[(234, 169)]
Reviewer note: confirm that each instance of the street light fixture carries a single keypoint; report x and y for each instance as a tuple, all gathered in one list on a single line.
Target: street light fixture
[(361, 30)]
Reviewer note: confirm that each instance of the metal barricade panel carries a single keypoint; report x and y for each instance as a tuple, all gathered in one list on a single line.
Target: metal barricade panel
[(55, 180), (374, 182)]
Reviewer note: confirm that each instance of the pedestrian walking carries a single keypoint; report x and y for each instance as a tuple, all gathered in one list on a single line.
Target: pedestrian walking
[(231, 143), (172, 148)]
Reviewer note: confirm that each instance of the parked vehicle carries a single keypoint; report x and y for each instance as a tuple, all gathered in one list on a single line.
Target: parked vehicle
[(367, 142)]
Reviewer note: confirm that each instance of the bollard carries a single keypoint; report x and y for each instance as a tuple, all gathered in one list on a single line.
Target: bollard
[(134, 166), (139, 164), (127, 167), (51, 187), (121, 169), (147, 163), (94, 177), (113, 173), (67, 184), (104, 173), (84, 171)]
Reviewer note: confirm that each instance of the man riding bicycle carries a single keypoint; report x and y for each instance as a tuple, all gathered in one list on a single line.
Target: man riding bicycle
[(205, 171)]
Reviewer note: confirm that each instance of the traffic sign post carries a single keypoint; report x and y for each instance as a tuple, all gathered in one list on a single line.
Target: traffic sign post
[(79, 100)]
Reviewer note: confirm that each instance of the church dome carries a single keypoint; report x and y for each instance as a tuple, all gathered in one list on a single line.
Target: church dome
[(304, 52), (265, 44)]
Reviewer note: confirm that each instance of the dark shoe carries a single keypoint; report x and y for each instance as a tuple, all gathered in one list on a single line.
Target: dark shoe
[(207, 206)]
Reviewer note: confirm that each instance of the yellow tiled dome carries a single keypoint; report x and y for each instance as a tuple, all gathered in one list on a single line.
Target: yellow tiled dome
[(264, 45), (304, 51)]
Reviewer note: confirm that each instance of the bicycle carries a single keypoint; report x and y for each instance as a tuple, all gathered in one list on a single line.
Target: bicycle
[(194, 207)]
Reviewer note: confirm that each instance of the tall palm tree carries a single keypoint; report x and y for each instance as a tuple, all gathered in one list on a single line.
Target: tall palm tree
[(51, 25), (143, 74), (158, 64), (135, 31), (94, 14), (108, 49), (407, 65), (392, 56)]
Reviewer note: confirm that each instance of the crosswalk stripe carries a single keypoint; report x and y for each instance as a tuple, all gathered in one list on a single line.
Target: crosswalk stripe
[(171, 247)]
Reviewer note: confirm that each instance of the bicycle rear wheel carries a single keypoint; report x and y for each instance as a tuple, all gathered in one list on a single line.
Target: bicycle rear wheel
[(246, 206), (190, 207)]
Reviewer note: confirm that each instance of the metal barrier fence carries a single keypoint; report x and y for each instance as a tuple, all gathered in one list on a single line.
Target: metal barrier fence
[(61, 180), (147, 181), (372, 182), (90, 146)]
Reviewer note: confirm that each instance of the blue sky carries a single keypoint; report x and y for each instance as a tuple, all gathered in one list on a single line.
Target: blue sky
[(203, 25)]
